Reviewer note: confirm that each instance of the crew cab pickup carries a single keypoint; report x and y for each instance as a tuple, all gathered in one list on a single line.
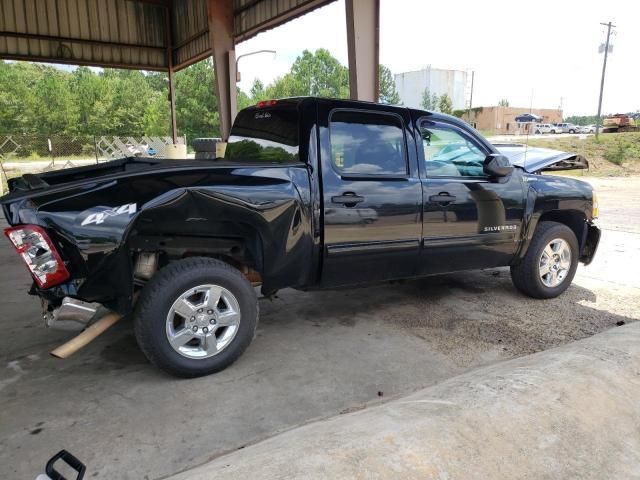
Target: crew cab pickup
[(311, 194)]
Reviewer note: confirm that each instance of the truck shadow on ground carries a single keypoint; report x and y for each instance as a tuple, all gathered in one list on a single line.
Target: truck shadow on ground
[(463, 313)]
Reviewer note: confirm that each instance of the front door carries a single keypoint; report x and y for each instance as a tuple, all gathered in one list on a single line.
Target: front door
[(372, 197), (470, 220)]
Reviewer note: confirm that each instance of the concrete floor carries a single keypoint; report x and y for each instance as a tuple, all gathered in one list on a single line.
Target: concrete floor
[(566, 413), (316, 355)]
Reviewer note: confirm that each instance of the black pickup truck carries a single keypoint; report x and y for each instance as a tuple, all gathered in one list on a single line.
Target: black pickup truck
[(311, 193)]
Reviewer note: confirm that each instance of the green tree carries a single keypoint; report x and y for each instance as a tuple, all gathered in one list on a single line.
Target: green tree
[(444, 104), (315, 74), (582, 119), (388, 92), (196, 102), (257, 90), (429, 100), (242, 99), (256, 94), (37, 98), (14, 98), (503, 102), (53, 98)]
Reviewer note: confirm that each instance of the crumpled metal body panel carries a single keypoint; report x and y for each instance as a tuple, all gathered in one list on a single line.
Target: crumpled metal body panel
[(98, 224), (535, 160)]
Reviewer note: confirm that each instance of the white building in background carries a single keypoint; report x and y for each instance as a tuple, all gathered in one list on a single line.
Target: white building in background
[(411, 86)]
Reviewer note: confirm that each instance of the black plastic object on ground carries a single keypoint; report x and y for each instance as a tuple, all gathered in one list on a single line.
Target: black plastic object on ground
[(73, 462), (205, 148)]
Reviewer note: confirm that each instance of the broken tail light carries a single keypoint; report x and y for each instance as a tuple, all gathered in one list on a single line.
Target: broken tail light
[(38, 252)]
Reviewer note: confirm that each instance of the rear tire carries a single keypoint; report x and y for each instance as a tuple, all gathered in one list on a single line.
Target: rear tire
[(553, 249), (196, 317)]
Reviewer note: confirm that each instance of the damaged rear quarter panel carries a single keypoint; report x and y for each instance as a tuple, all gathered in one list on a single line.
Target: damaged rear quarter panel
[(265, 209)]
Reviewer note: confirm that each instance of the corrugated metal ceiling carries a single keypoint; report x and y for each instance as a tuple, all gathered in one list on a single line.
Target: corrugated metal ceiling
[(97, 32), (254, 16), (129, 33)]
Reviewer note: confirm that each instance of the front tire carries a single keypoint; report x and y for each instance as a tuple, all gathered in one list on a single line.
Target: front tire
[(195, 317), (550, 263)]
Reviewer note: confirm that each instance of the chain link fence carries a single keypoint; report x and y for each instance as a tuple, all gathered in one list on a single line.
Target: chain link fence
[(21, 154)]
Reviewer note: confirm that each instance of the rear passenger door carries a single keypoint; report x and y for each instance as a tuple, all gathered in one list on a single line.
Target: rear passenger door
[(372, 196)]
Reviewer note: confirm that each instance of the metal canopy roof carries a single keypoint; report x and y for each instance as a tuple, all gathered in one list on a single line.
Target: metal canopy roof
[(140, 34)]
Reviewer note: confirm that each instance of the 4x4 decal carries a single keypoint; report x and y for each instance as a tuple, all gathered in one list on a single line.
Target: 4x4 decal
[(100, 217)]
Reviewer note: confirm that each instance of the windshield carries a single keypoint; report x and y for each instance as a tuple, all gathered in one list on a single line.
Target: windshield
[(265, 135)]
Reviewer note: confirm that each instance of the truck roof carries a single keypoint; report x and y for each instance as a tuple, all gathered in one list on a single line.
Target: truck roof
[(348, 103)]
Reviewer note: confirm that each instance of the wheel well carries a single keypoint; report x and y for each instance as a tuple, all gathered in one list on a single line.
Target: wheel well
[(573, 219), (233, 252)]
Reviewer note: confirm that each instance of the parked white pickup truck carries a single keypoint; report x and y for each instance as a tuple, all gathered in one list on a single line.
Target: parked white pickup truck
[(539, 128), (564, 128)]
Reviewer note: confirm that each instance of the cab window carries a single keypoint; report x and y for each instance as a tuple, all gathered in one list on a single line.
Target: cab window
[(448, 153), (367, 143), (265, 135)]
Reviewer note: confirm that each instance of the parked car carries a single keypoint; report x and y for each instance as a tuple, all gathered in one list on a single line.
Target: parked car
[(137, 150), (528, 118), (587, 129), (311, 194), (540, 128), (564, 128), (150, 150), (131, 150)]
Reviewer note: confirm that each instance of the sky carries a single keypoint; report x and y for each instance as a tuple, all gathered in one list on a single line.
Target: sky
[(540, 52)]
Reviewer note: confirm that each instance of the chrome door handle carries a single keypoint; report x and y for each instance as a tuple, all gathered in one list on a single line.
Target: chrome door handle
[(442, 199), (348, 199)]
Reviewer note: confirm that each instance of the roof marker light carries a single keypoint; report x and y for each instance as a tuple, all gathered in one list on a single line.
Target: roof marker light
[(266, 103)]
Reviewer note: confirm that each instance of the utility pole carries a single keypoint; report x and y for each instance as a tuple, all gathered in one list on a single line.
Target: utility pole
[(604, 69), (473, 74)]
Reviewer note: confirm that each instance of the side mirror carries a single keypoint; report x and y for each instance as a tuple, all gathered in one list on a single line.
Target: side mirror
[(496, 165)]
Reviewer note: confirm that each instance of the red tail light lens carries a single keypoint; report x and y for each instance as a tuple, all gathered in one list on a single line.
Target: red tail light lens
[(38, 252)]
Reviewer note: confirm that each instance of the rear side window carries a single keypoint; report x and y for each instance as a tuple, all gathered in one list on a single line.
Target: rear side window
[(265, 135), (367, 143)]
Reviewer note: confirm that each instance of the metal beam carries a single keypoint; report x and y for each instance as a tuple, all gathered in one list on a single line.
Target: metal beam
[(220, 16), (157, 3), (172, 77), (84, 41), (172, 105), (363, 33), (191, 38), (88, 63), (302, 9)]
